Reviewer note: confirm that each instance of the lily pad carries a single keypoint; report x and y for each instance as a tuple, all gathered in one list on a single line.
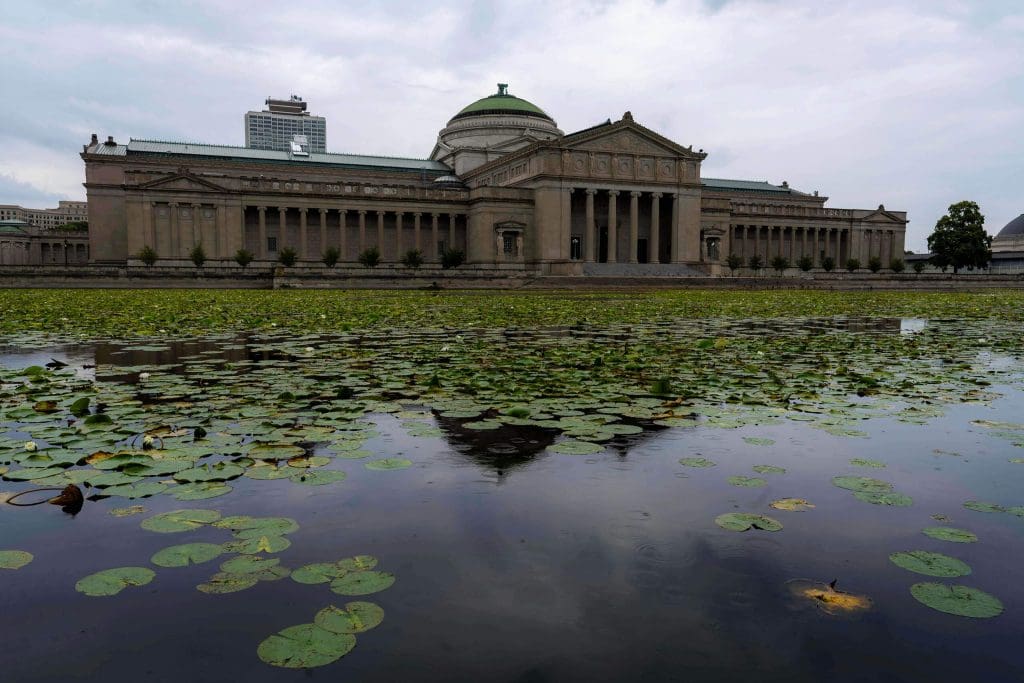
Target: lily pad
[(220, 472), (945, 533), (186, 554), (742, 521), (254, 527), (127, 511), (200, 490), (319, 572), (359, 563), (305, 646), (962, 601), (362, 583), (893, 499), (979, 506), (180, 520), (227, 582), (750, 482), (357, 617), (318, 477), (930, 564), (573, 447), (248, 564), (113, 581), (696, 462), (791, 504), (141, 490), (863, 462), (14, 559), (389, 464), (254, 546), (758, 441), (864, 484), (769, 469), (267, 472)]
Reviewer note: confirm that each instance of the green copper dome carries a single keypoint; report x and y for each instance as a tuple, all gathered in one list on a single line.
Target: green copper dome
[(502, 103)]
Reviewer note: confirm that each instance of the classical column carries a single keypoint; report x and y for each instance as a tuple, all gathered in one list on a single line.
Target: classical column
[(451, 231), (323, 230), (792, 245), (432, 252), (674, 247), (282, 228), (175, 238), (634, 226), (803, 242), (612, 226), (757, 240), (416, 231), (398, 235), (817, 250), (261, 248), (589, 237), (147, 225), (380, 233), (343, 233), (303, 237), (838, 246), (220, 237), (362, 231), (654, 243)]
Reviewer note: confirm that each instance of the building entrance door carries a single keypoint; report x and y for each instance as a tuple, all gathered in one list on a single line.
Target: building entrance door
[(641, 250), (602, 243)]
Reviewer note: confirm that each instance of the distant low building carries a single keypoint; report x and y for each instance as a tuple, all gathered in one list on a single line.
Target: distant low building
[(503, 184), (23, 244), (48, 219)]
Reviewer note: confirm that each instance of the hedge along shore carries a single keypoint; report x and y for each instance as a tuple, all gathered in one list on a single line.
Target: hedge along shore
[(397, 277)]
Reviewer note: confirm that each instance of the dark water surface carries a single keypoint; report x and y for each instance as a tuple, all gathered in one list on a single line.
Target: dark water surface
[(517, 564)]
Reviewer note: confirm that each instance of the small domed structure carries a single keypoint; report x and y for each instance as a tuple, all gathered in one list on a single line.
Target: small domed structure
[(1011, 237), (1014, 228), (491, 127)]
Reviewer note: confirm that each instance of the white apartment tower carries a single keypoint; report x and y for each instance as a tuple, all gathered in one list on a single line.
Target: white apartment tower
[(276, 127)]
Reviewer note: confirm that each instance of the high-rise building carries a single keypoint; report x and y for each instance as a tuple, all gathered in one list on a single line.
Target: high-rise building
[(276, 126)]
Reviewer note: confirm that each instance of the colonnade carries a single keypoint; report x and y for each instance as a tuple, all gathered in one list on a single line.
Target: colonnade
[(792, 243), (602, 228)]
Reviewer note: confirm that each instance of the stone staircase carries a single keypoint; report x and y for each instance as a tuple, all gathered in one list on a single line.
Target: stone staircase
[(631, 270)]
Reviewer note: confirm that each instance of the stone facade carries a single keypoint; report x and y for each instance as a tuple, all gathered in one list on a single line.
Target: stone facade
[(504, 186), (48, 219), (22, 244)]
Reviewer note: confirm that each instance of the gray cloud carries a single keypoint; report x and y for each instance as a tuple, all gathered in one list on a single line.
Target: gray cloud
[(914, 104)]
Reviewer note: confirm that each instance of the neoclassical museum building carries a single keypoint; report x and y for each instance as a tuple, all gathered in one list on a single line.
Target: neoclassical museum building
[(503, 184)]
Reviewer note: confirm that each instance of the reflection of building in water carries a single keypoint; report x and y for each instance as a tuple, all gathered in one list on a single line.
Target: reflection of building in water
[(503, 184)]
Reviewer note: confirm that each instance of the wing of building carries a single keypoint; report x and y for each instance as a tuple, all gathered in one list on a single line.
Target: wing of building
[(503, 184)]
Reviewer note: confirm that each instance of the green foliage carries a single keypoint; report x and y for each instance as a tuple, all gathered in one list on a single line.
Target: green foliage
[(805, 263), (243, 257), (113, 581), (331, 256), (452, 258), (962, 601), (147, 255), (897, 265), (959, 239), (828, 264), (287, 257), (370, 257), (919, 267), (780, 263), (734, 261), (75, 226), (197, 255), (742, 521), (852, 264), (874, 264), (413, 258), (755, 262), (14, 559)]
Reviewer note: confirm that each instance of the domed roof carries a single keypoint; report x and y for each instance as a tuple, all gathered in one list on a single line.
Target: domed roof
[(502, 103), (1013, 228)]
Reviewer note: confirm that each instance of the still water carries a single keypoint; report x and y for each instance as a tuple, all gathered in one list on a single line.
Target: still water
[(516, 563)]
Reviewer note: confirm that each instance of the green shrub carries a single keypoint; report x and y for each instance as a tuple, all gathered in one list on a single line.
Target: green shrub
[(287, 257), (805, 263), (780, 263), (828, 263), (919, 267), (198, 255), (897, 265), (370, 258), (413, 258), (452, 258), (874, 264), (755, 262), (852, 264), (734, 261), (148, 255), (331, 256), (243, 257)]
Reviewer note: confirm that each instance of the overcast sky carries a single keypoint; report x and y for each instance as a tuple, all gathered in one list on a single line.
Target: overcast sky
[(911, 104)]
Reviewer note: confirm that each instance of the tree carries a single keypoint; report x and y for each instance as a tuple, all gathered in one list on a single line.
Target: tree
[(897, 265), (243, 257), (780, 263), (919, 267), (852, 264), (805, 263), (734, 261), (452, 258), (331, 256), (959, 239), (828, 263), (148, 255), (413, 258), (288, 257), (370, 258), (755, 262), (198, 255), (874, 264)]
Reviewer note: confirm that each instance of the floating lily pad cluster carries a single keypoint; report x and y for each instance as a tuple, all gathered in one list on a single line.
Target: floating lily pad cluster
[(330, 636), (874, 491)]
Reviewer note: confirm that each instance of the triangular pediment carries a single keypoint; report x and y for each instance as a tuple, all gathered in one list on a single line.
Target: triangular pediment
[(627, 137), (184, 182), (880, 215)]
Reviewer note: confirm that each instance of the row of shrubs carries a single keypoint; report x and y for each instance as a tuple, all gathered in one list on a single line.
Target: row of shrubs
[(369, 258), (828, 264)]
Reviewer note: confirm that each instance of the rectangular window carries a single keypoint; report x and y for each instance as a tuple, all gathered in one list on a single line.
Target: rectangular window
[(509, 244), (576, 248), (272, 244)]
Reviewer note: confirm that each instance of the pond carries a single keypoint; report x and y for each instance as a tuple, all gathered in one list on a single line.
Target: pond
[(833, 493)]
